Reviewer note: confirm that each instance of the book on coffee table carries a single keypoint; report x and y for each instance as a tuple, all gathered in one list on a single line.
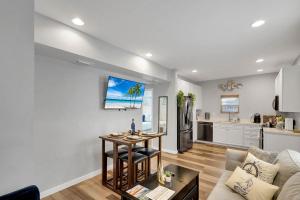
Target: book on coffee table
[(160, 193), (139, 192)]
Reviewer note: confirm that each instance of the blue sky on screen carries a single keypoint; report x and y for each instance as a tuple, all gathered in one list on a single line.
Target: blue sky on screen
[(118, 89)]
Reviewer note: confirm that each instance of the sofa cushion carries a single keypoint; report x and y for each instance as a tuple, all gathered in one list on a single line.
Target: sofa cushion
[(250, 187), (221, 191), (260, 169), (289, 164), (29, 193), (291, 189), (266, 156), (234, 158)]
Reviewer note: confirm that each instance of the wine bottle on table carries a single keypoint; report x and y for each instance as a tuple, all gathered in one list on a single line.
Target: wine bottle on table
[(132, 127)]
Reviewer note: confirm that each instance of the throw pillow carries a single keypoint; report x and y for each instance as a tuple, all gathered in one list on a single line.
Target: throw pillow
[(291, 189), (289, 164), (266, 156), (260, 169), (250, 187)]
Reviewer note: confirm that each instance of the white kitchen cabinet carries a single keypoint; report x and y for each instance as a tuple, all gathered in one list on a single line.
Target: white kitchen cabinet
[(287, 85), (236, 134), (279, 142), (251, 135), (219, 133)]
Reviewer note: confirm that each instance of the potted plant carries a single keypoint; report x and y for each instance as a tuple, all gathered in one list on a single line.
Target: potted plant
[(168, 176), (193, 97), (180, 99)]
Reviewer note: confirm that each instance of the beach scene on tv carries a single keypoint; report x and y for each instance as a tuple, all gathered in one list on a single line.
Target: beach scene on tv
[(124, 94)]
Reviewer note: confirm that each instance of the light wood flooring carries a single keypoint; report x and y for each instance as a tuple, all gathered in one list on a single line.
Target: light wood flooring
[(209, 160)]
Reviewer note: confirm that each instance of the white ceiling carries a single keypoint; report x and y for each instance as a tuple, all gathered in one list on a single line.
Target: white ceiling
[(213, 36)]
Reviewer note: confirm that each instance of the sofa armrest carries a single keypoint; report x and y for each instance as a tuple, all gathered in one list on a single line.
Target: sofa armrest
[(28, 193), (234, 158)]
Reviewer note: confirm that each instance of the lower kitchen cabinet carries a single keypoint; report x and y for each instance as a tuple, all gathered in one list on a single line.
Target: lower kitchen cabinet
[(237, 134), (280, 142), (219, 133)]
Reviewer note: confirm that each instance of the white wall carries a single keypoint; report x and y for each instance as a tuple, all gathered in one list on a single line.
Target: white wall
[(188, 87), (57, 35), (16, 94), (170, 89), (69, 118), (169, 142), (256, 95)]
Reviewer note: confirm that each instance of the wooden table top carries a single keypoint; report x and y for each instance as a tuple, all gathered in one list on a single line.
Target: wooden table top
[(180, 181), (125, 141)]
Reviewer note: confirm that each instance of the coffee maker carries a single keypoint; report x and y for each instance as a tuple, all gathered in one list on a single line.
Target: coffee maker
[(256, 118)]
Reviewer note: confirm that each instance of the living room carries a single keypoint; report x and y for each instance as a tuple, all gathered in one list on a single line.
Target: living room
[(216, 80)]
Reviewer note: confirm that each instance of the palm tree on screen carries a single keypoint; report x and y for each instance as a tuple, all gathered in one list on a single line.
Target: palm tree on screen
[(137, 92), (131, 92)]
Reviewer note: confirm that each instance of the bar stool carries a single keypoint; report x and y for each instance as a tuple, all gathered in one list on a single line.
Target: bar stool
[(137, 158), (134, 147), (150, 153), (110, 154)]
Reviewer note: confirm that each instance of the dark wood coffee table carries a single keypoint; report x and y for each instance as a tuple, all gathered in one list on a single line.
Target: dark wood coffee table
[(185, 183)]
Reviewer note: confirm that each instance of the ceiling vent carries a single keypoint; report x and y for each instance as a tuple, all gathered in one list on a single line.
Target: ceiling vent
[(83, 62)]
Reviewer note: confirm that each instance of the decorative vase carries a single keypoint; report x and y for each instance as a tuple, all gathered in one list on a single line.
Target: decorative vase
[(161, 173), (168, 179)]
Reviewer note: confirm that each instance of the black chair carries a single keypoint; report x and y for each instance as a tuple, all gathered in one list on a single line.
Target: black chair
[(137, 158), (134, 147), (28, 193), (150, 153), (121, 151), (110, 154)]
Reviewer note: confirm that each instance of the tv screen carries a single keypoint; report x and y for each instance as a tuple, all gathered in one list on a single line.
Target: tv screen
[(123, 94)]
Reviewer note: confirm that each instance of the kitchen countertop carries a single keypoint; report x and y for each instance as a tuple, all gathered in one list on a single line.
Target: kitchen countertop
[(242, 122), (279, 131)]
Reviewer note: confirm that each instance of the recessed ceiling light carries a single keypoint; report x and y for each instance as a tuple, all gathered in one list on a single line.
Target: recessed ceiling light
[(149, 55), (194, 71), (77, 21), (258, 23), (260, 70), (259, 60)]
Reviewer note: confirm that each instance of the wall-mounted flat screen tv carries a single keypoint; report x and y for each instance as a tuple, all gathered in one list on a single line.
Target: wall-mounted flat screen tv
[(123, 94)]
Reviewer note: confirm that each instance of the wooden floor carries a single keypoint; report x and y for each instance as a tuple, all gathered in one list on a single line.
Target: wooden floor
[(209, 160)]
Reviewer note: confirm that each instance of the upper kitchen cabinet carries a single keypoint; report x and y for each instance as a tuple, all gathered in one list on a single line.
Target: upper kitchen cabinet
[(287, 88)]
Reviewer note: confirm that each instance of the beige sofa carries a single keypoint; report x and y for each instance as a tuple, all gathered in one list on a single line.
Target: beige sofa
[(288, 177)]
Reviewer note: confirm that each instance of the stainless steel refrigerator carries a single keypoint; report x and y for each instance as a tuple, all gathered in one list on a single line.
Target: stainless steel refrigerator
[(185, 125)]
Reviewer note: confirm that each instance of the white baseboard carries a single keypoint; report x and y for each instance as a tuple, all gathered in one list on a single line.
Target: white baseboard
[(72, 182), (169, 151), (75, 181), (166, 150)]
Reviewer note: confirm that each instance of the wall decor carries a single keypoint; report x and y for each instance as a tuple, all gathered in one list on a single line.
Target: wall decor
[(230, 86)]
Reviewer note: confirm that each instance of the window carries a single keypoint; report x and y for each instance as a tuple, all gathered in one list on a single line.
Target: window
[(230, 104), (147, 110)]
